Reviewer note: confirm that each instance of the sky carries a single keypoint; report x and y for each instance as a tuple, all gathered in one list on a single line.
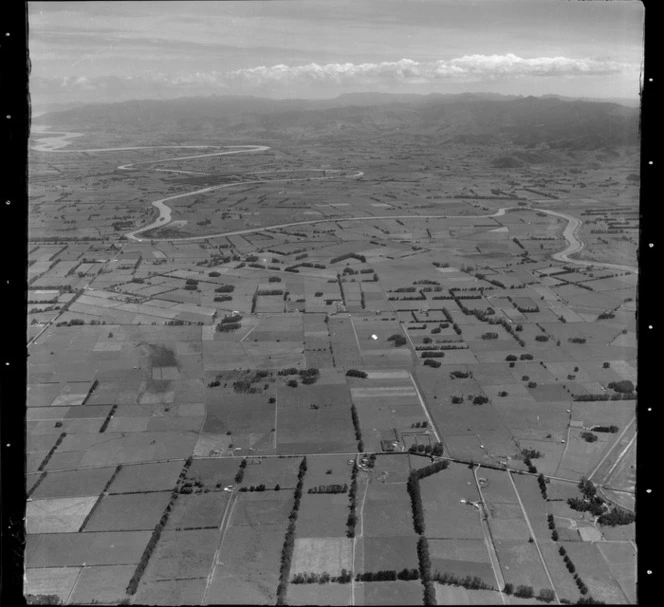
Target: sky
[(92, 52)]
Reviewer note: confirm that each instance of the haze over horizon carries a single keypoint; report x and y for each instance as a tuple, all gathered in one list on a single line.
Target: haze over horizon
[(96, 52)]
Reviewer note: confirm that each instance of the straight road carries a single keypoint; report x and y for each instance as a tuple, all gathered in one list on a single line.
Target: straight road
[(491, 549), (532, 534)]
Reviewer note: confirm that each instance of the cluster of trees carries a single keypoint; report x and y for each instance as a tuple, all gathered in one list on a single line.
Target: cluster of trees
[(480, 400), (454, 346), (448, 317), (531, 453), (225, 289), (568, 561), (361, 258), (229, 323), (413, 488), (617, 516), (289, 540), (191, 284), (461, 374), (577, 340), (611, 429), (49, 455), (589, 437), (469, 582), (345, 577), (398, 339), (430, 362), (425, 571), (489, 335), (541, 481), (432, 354), (108, 419), (220, 298), (622, 387), (270, 292), (386, 575), (435, 449), (260, 487), (307, 376), (527, 592), (358, 429), (591, 502), (329, 489), (352, 496), (240, 473), (356, 373), (156, 533), (604, 396)]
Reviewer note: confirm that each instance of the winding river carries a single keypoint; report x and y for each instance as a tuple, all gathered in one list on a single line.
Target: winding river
[(57, 141)]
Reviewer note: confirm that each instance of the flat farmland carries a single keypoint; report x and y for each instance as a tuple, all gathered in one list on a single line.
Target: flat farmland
[(506, 518), (61, 515), (456, 595), (534, 420), (154, 360), (621, 559), (171, 592), (58, 581), (390, 468), (461, 569), (194, 511), (75, 549), (390, 553), (384, 406), (271, 471), (275, 354), (327, 470), (182, 554), (323, 515), (314, 419), (536, 508), (445, 515), (344, 343), (393, 593), (134, 511), (247, 569), (74, 483), (520, 563), (319, 594), (580, 456), (96, 449), (262, 509), (105, 584), (213, 472), (321, 555), (160, 476), (562, 579), (595, 571), (387, 511), (248, 417)]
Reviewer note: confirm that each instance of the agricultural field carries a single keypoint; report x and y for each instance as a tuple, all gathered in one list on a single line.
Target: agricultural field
[(240, 390)]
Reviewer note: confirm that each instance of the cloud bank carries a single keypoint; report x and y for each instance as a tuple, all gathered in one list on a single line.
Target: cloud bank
[(335, 78), (469, 68)]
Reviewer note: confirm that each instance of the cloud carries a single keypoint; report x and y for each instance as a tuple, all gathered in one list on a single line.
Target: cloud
[(333, 78), (469, 68)]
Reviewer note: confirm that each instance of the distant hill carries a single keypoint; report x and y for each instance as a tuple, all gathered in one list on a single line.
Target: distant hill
[(566, 124)]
